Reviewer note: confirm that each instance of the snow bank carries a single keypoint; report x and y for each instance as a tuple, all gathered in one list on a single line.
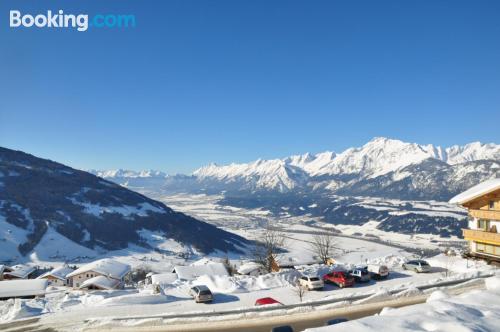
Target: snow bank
[(493, 283), (17, 309), (472, 311), (243, 284)]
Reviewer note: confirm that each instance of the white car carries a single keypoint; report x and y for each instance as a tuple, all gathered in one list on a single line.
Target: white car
[(378, 271), (417, 266), (201, 294), (311, 282)]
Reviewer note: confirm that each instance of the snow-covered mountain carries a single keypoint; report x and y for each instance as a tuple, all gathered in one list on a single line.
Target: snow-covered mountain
[(378, 168), (40, 198)]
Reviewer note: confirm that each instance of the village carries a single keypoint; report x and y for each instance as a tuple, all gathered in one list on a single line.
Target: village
[(267, 278)]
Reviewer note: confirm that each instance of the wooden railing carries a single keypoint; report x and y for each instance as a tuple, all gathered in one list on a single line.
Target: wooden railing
[(481, 236), (485, 214)]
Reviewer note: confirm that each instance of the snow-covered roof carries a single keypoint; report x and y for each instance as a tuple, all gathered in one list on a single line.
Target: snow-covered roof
[(106, 266), (4, 268), (249, 267), (100, 282), (19, 288), (478, 190), (163, 278), (59, 272), (193, 272), (20, 271)]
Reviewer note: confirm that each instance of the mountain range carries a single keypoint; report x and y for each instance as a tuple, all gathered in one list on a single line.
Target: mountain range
[(405, 179), (39, 196), (381, 168)]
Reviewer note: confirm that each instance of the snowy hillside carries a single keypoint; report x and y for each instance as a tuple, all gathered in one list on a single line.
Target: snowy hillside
[(41, 200)]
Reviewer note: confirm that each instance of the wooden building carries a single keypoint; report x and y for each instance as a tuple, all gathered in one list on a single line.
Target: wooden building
[(483, 204)]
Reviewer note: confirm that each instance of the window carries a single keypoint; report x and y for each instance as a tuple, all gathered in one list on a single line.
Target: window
[(483, 224), (492, 205), (480, 247)]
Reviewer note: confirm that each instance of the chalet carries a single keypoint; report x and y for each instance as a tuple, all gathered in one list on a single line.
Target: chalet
[(19, 272), (107, 268), (20, 288), (483, 205), (57, 276)]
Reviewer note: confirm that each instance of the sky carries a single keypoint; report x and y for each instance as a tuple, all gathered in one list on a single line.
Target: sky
[(196, 82)]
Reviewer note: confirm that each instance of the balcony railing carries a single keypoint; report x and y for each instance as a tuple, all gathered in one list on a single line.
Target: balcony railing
[(481, 236), (485, 214)]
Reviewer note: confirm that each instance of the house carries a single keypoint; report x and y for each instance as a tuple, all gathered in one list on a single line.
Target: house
[(101, 283), (483, 204), (22, 288), (108, 268), (57, 276), (4, 268), (192, 272), (251, 269), (19, 272)]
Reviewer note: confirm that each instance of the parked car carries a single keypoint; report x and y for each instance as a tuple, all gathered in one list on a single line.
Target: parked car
[(284, 328), (360, 274), (378, 271), (339, 278), (266, 301), (418, 266), (311, 283), (336, 321), (201, 294)]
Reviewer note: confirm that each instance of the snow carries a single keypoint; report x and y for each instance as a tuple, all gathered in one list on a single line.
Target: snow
[(18, 288), (163, 278), (97, 210), (477, 310), (108, 267), (194, 271), (476, 191), (101, 282)]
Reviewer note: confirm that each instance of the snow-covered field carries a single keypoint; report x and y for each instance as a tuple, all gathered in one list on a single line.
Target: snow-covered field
[(237, 292)]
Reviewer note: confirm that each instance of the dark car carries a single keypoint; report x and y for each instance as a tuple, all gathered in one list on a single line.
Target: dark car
[(336, 321), (360, 274), (284, 328)]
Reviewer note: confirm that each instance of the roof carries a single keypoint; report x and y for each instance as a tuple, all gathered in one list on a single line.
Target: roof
[(100, 282), (4, 268), (249, 267), (23, 287), (20, 271), (108, 267), (163, 278), (479, 190), (59, 273), (193, 272)]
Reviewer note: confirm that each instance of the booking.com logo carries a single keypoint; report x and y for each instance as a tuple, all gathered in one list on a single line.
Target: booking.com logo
[(80, 22)]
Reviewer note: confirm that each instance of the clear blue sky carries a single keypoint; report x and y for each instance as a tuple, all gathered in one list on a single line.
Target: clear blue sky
[(220, 81)]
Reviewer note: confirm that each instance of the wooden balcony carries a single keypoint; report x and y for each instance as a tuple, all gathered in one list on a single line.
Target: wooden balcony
[(485, 214), (482, 236)]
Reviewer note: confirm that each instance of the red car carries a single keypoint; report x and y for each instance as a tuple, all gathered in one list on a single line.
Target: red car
[(266, 301), (339, 278)]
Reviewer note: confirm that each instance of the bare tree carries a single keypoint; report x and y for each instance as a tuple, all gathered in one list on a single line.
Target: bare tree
[(299, 290), (268, 248), (323, 246)]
